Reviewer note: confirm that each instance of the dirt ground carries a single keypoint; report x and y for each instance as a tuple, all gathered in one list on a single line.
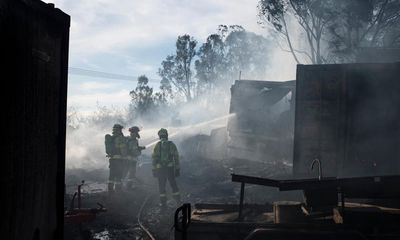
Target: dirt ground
[(201, 181)]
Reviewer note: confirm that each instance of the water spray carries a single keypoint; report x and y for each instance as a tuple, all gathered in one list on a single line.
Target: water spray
[(197, 125)]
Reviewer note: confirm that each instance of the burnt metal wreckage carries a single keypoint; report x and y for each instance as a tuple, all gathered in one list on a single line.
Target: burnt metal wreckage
[(346, 129), (81, 215), (262, 129)]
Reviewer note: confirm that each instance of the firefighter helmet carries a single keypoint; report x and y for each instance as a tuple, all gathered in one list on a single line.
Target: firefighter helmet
[(163, 132), (134, 129), (117, 126)]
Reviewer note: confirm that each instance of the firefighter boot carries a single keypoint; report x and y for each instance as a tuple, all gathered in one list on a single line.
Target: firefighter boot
[(163, 202), (177, 198)]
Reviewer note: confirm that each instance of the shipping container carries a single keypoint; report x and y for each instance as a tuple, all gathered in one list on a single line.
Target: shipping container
[(348, 117)]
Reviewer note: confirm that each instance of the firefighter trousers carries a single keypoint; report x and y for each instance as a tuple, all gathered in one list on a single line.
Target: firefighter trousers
[(131, 169), (116, 173), (167, 174)]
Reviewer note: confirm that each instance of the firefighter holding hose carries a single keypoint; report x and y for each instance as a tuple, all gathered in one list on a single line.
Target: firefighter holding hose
[(166, 167), (134, 151)]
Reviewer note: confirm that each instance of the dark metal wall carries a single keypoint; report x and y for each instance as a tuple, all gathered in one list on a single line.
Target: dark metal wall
[(34, 61), (348, 116)]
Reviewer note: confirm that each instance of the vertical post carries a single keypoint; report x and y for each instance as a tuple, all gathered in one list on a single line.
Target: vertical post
[(241, 200), (79, 197), (342, 200)]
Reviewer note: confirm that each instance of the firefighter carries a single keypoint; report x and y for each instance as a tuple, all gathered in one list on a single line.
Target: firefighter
[(117, 151), (166, 167), (134, 151)]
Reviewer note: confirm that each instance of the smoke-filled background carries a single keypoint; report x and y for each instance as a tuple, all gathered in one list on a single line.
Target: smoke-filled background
[(85, 134), (171, 63), (193, 96)]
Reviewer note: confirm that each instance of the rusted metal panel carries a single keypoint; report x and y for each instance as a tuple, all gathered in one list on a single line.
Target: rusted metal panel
[(347, 115), (34, 47)]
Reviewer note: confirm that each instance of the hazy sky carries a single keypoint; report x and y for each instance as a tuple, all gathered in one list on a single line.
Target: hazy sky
[(132, 37)]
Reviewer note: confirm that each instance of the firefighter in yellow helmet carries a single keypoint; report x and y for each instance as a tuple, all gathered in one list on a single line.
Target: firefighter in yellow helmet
[(117, 151), (166, 167)]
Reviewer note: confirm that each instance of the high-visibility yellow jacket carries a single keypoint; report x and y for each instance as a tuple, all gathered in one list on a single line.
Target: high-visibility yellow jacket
[(134, 150), (165, 154), (121, 147)]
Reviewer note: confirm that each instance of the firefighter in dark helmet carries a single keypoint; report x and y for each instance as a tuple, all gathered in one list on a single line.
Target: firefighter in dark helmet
[(166, 166), (134, 151), (117, 151)]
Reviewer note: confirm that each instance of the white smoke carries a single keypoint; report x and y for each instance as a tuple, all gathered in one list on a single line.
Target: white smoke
[(85, 147), (85, 144), (85, 140)]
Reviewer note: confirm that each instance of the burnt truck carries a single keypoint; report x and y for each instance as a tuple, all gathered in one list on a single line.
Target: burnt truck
[(262, 127), (259, 128), (346, 158)]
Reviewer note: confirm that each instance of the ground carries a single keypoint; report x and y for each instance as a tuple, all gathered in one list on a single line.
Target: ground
[(201, 181)]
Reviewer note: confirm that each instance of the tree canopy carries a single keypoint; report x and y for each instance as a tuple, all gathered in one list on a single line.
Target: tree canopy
[(333, 30)]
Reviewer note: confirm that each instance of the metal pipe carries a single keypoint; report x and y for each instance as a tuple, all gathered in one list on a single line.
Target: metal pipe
[(79, 194), (241, 201), (319, 167)]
